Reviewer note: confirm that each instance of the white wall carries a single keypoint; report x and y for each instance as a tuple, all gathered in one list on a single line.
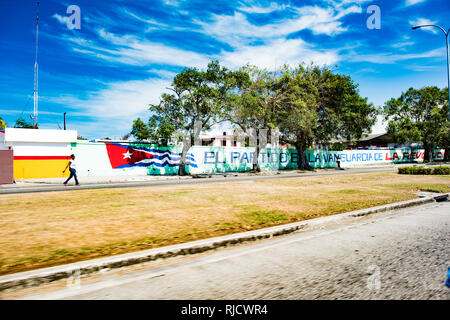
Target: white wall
[(41, 149), (92, 159), (2, 141), (13, 135)]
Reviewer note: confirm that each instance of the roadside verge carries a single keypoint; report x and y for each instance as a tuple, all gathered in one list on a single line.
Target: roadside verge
[(47, 275)]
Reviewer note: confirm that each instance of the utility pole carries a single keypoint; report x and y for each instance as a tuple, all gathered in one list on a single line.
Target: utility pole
[(36, 70), (448, 73)]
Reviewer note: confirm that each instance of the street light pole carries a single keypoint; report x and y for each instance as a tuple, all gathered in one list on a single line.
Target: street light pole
[(448, 69)]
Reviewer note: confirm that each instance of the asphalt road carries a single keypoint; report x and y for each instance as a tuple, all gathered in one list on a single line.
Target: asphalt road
[(400, 255)]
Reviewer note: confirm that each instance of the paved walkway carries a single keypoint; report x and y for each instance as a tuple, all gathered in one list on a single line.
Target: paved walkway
[(56, 184)]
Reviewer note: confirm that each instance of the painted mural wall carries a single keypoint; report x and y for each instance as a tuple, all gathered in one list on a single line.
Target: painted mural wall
[(44, 160), (355, 158), (45, 153), (38, 153), (93, 160), (107, 159)]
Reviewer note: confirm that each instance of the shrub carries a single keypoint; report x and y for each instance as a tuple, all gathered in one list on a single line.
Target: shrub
[(441, 170), (403, 170)]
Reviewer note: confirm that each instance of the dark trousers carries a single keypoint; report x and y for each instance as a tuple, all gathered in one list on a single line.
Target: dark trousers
[(73, 173)]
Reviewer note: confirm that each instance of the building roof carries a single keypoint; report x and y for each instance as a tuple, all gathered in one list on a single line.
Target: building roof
[(373, 136), (39, 135)]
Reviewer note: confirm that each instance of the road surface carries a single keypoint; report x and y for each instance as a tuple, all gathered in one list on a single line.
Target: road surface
[(397, 255)]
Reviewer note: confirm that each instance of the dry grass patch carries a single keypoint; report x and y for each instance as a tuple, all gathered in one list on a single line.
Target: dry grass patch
[(45, 229)]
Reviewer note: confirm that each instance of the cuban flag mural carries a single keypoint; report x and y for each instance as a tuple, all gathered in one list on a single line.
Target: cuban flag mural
[(125, 156)]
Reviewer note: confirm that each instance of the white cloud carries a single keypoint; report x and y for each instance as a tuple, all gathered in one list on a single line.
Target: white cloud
[(25, 114), (61, 19), (419, 68), (149, 21), (413, 2), (173, 3), (261, 9), (131, 50), (163, 74), (389, 58), (235, 29), (341, 3), (277, 53), (380, 125), (124, 99), (402, 44), (114, 108), (274, 49), (424, 21)]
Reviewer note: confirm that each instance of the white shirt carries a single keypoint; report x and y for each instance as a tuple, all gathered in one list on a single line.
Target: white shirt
[(72, 164)]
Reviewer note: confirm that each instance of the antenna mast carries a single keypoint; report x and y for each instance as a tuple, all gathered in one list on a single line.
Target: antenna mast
[(36, 79)]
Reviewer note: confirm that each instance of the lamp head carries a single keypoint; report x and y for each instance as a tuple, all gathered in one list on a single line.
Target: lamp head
[(416, 27)]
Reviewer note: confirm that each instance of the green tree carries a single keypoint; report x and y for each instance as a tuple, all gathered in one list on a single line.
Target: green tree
[(318, 106), (254, 106), (22, 123), (2, 123), (198, 99), (158, 130), (419, 115), (140, 130), (161, 130)]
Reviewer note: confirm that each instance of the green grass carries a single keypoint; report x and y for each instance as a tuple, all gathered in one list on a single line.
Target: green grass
[(254, 215), (438, 188), (39, 230)]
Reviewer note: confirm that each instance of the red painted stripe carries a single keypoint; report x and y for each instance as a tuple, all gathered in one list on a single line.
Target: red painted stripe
[(41, 157)]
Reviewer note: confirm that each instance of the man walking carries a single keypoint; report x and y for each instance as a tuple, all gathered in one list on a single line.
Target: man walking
[(73, 171)]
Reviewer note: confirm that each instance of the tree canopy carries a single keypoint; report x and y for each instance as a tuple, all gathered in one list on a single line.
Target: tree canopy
[(22, 123), (157, 130), (197, 99), (2, 123), (419, 115), (320, 106), (307, 104), (253, 107)]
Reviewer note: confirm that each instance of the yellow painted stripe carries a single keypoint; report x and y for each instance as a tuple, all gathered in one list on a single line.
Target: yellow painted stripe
[(33, 169)]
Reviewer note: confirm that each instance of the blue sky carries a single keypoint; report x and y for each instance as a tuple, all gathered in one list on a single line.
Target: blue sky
[(126, 53)]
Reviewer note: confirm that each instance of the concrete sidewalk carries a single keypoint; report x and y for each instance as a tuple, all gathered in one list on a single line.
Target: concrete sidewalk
[(146, 178), (125, 181)]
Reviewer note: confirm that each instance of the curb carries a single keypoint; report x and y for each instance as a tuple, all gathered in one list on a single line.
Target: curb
[(47, 275)]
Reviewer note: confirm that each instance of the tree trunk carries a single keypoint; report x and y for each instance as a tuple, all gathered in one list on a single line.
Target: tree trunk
[(302, 161), (256, 167), (428, 156), (182, 166)]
